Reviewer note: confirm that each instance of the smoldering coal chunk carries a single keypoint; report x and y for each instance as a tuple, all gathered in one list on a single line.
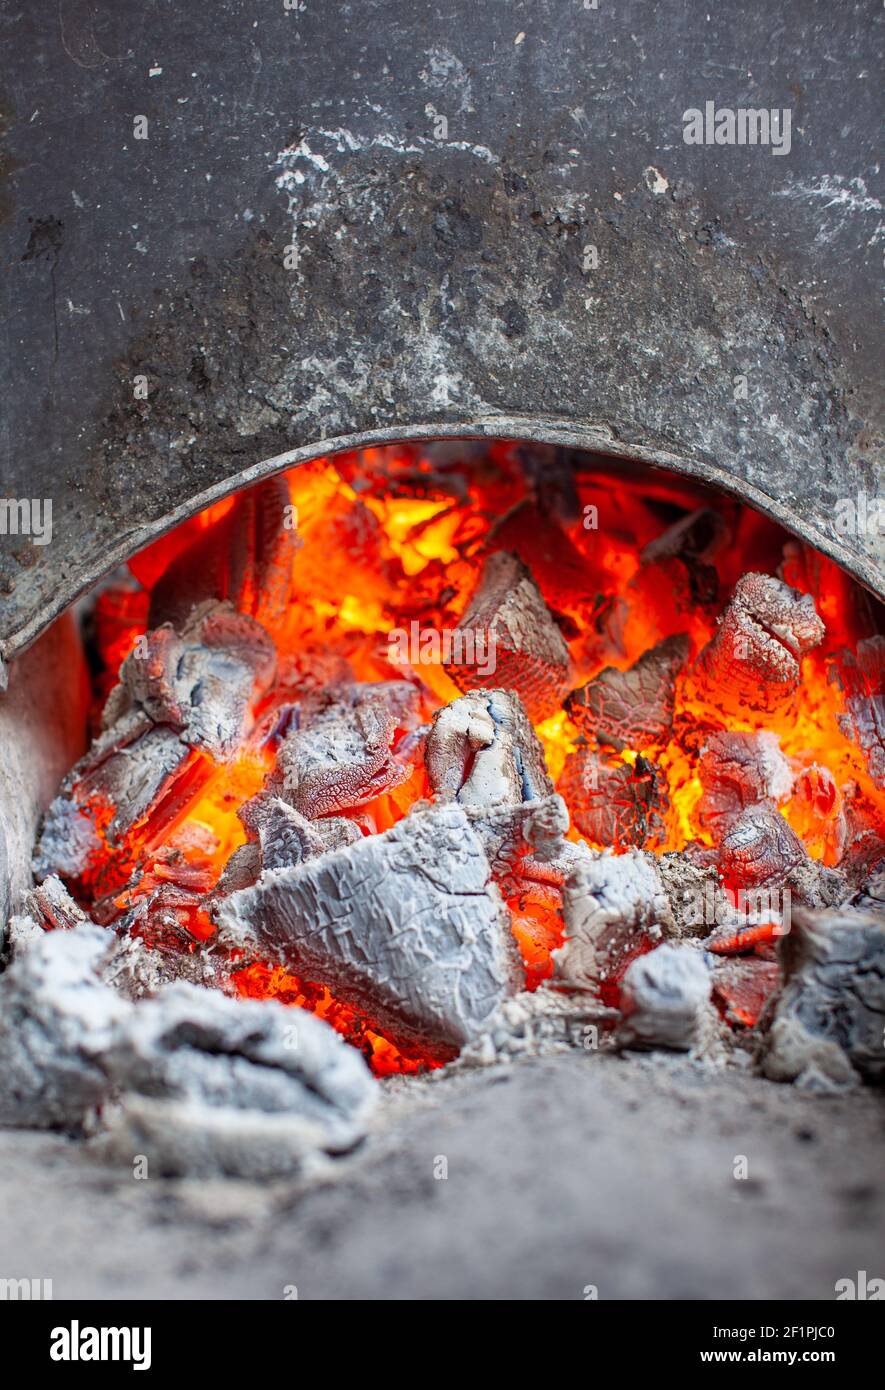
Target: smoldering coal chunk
[(213, 1085), (57, 1023), (509, 622), (742, 987), (826, 1027), (343, 752), (613, 803), (483, 751), (740, 770), (200, 682), (280, 838), (404, 926), (633, 708), (664, 995), (247, 557), (695, 538), (765, 630), (51, 906), (762, 851), (613, 906), (861, 677), (189, 695)]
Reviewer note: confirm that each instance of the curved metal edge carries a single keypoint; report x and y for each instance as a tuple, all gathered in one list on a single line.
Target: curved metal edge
[(599, 437)]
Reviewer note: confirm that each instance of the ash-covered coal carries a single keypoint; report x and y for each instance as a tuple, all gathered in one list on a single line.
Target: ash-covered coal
[(406, 926)]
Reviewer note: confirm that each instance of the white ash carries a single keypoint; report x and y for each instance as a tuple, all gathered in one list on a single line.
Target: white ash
[(203, 1082), (250, 1088), (740, 770), (199, 682), (281, 838), (537, 1024), (405, 926), (664, 998), (697, 899), (340, 754), (826, 1027), (58, 1020), (483, 751), (763, 633), (608, 900)]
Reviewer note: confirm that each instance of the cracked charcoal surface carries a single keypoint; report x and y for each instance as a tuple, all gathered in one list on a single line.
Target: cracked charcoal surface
[(405, 926), (764, 631), (531, 656), (738, 771), (608, 902), (633, 708)]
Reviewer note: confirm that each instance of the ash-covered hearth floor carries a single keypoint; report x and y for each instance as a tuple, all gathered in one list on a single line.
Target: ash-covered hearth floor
[(563, 1172)]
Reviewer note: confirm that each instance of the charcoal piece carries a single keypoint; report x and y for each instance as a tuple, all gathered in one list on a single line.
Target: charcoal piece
[(632, 708), (201, 682), (247, 557), (613, 906), (827, 1024), (664, 995), (57, 1021), (51, 906), (568, 581), (210, 1085), (861, 677), (742, 988), (614, 804), (286, 838), (765, 630), (740, 770), (696, 537), (404, 926), (508, 620), (114, 791), (483, 751), (342, 754), (762, 851)]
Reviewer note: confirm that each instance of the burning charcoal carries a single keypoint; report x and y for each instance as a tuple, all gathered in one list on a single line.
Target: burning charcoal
[(613, 803), (57, 1021), (342, 754), (282, 838), (404, 926), (761, 851), (742, 988), (201, 683), (483, 751), (862, 680), (509, 621), (52, 907), (740, 770), (634, 708), (189, 695), (663, 998), (614, 905), (697, 536), (566, 578), (246, 558), (765, 630), (827, 1024), (211, 1085)]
